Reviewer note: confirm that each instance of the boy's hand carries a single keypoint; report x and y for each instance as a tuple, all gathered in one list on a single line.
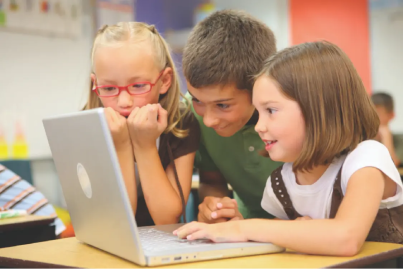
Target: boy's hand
[(219, 232), (146, 124), (215, 210), (118, 126)]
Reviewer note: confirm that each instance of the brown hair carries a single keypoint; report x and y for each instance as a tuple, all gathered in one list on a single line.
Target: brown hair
[(383, 99), (228, 47), (137, 32), (337, 110)]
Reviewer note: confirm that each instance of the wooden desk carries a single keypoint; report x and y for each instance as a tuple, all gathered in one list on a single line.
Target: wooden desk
[(26, 230), (71, 253)]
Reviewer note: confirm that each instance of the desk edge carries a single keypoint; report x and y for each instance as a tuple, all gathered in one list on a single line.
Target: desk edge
[(30, 223), (364, 261), (18, 263)]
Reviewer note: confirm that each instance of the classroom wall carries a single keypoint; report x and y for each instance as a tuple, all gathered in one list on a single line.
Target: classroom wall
[(386, 19), (343, 22), (41, 76)]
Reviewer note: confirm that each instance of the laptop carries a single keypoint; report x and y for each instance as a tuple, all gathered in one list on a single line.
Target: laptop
[(96, 198)]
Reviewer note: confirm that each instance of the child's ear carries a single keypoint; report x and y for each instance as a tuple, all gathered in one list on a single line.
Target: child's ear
[(392, 115), (166, 80), (93, 79)]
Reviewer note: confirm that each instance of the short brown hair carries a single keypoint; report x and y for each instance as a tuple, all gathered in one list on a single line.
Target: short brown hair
[(337, 110), (383, 99), (228, 47)]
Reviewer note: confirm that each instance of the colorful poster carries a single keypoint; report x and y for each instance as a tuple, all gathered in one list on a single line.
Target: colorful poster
[(59, 18)]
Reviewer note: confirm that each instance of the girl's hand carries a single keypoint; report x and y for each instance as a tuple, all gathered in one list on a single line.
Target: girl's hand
[(146, 124), (118, 127), (221, 232)]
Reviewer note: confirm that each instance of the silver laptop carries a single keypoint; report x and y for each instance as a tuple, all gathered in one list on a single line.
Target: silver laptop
[(97, 200)]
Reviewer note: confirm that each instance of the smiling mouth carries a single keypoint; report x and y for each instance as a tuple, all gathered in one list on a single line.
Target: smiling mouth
[(220, 128), (270, 144)]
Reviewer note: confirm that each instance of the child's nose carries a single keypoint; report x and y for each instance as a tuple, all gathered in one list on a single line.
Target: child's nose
[(260, 127), (210, 120), (125, 99)]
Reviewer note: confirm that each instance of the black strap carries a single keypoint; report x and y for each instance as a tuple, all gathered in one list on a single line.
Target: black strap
[(337, 196), (281, 193), (177, 182)]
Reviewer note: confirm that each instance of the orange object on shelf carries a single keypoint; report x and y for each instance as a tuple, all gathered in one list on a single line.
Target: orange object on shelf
[(20, 146)]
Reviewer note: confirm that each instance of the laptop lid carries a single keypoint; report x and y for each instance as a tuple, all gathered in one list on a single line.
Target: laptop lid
[(92, 183)]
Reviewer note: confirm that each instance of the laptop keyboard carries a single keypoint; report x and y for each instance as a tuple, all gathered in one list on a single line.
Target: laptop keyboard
[(156, 240)]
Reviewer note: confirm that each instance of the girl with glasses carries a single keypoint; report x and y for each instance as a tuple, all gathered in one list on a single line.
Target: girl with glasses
[(155, 135)]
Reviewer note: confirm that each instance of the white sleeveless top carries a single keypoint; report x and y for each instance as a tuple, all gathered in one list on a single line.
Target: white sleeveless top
[(315, 200)]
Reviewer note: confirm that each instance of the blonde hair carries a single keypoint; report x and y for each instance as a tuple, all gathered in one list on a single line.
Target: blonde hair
[(337, 110), (140, 32)]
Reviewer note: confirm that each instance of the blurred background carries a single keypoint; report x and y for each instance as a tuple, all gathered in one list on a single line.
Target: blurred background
[(45, 56)]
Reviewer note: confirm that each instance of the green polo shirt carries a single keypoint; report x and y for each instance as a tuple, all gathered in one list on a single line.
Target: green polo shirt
[(238, 159)]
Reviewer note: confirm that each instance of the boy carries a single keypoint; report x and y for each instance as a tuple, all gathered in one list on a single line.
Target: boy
[(385, 108), (222, 55)]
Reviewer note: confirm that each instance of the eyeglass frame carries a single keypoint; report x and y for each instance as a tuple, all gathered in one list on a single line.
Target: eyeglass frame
[(121, 88)]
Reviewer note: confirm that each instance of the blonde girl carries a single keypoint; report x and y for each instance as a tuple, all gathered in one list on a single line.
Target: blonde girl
[(135, 80)]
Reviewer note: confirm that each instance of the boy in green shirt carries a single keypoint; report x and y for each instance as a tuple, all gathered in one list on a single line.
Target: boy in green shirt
[(222, 55)]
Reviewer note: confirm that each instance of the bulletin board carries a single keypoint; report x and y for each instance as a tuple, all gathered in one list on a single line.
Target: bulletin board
[(59, 18)]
